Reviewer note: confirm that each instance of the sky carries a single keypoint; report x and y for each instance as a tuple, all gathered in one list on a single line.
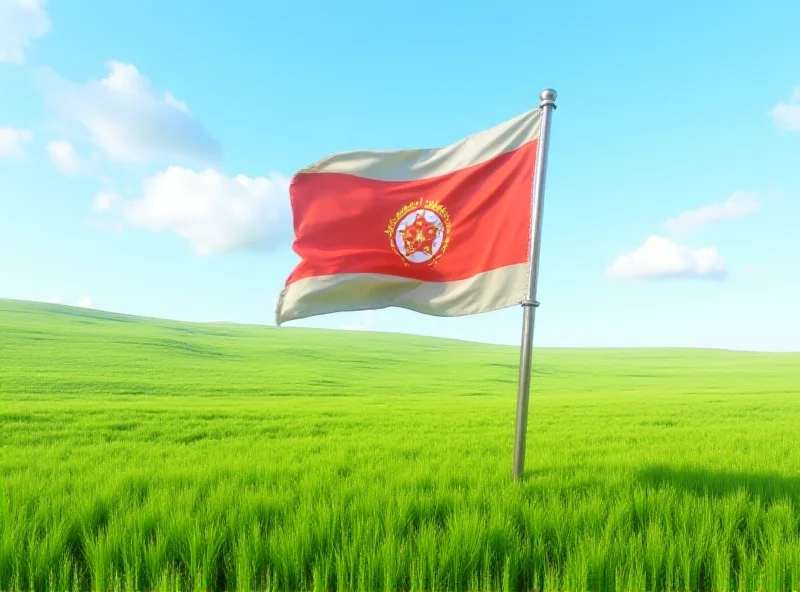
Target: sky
[(146, 149)]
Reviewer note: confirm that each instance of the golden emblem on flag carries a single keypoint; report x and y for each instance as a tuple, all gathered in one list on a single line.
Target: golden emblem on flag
[(420, 232)]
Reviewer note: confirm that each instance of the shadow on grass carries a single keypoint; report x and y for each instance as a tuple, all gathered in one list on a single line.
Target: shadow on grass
[(769, 487)]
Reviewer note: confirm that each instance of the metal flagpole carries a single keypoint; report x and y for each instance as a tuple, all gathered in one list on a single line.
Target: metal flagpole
[(547, 104)]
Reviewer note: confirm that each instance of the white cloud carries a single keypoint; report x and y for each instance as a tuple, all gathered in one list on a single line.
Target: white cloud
[(12, 141), (64, 158), (56, 300), (104, 201), (215, 213), (786, 114), (661, 258), (738, 205), (85, 303), (21, 21), (131, 121)]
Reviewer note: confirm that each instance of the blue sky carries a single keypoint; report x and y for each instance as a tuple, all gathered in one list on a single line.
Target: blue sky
[(673, 191)]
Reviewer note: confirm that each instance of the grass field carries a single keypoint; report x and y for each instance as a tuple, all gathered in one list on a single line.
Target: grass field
[(138, 454)]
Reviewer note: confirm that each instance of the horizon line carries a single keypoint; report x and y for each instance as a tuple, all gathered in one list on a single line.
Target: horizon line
[(385, 332)]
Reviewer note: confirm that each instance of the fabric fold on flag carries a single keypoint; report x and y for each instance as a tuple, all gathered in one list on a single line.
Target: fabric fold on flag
[(444, 232)]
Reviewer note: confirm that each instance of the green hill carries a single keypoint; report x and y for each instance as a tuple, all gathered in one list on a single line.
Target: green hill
[(148, 454)]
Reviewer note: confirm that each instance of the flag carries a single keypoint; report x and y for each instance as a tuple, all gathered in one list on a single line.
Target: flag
[(444, 232)]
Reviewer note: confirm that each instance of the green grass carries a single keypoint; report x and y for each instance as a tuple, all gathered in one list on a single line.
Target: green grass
[(138, 454)]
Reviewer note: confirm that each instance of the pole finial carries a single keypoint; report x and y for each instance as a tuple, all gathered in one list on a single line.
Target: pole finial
[(548, 97)]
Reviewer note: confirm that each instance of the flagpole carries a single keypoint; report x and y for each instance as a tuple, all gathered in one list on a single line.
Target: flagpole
[(547, 104)]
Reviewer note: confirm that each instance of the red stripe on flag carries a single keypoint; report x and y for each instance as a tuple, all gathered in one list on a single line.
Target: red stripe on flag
[(341, 221)]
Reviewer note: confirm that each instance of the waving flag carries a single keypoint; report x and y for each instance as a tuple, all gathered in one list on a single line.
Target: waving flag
[(443, 232)]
